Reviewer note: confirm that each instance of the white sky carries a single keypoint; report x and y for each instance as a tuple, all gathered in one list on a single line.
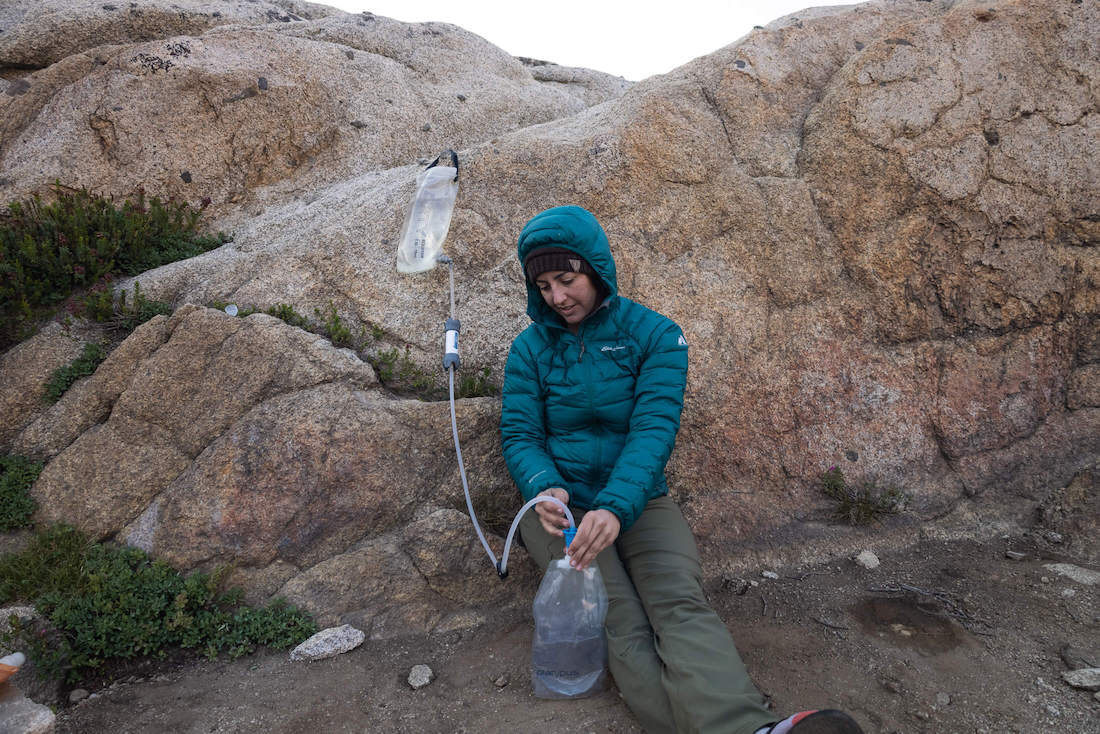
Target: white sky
[(633, 40)]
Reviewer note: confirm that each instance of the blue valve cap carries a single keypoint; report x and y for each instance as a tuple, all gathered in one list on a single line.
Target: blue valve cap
[(570, 533)]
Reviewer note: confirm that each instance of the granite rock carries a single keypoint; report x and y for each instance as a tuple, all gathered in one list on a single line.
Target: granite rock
[(328, 643), (876, 224)]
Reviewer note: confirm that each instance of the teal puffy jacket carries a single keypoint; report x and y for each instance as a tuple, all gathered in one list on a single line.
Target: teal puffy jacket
[(597, 412)]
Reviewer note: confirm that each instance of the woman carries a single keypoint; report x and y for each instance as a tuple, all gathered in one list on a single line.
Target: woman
[(593, 391)]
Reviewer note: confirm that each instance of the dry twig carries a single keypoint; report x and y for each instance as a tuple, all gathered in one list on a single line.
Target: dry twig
[(830, 625)]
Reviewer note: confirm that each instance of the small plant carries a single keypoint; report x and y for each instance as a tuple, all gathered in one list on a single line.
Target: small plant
[(17, 474), (104, 602), (377, 333), (287, 313), (383, 364), (140, 309), (79, 240), (99, 303), (476, 385), (400, 373), (63, 378), (50, 562), (124, 314), (863, 505), (333, 327)]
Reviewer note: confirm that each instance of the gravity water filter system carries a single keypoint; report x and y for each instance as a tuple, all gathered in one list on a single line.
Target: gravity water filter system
[(569, 649), (420, 248)]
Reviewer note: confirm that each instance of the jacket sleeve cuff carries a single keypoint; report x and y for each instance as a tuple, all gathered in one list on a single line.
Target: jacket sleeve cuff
[(625, 511)]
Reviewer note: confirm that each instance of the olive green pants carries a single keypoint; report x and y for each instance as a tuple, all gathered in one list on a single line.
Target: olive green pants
[(670, 654)]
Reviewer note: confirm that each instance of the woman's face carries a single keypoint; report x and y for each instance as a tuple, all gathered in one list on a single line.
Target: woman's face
[(571, 295)]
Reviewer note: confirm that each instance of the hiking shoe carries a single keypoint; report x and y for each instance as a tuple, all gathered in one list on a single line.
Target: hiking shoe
[(825, 721)]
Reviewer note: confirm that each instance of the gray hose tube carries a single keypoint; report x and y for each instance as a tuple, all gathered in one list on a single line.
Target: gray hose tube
[(502, 565)]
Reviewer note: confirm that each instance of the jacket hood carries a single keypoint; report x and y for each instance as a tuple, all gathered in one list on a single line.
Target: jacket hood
[(572, 228)]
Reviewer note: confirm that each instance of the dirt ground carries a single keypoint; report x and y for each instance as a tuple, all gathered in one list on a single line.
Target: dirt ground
[(944, 637)]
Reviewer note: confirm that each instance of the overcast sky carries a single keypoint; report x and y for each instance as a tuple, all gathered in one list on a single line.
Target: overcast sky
[(633, 40)]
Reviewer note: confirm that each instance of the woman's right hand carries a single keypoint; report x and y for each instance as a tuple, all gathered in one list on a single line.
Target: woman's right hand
[(551, 515)]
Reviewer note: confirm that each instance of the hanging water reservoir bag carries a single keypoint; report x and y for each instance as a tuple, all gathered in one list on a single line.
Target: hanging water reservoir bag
[(429, 216), (569, 649)]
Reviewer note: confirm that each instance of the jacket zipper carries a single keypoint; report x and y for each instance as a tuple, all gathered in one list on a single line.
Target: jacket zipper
[(579, 356)]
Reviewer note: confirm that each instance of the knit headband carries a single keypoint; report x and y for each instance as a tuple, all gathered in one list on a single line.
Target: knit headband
[(546, 259)]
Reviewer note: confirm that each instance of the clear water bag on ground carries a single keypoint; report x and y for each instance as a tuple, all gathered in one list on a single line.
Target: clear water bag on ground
[(569, 650)]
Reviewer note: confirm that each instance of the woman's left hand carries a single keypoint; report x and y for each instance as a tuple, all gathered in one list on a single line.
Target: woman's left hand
[(598, 529)]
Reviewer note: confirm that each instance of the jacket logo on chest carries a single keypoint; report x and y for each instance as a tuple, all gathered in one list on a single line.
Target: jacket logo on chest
[(609, 348)]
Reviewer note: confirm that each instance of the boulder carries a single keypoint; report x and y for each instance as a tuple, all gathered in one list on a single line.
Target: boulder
[(430, 577), (176, 402), (876, 224), (303, 475), (38, 33), (844, 307), (88, 402), (199, 109), (25, 370)]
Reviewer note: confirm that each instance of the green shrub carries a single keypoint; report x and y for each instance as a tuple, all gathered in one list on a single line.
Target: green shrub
[(99, 303), (106, 602), (333, 327), (17, 474), (49, 250), (130, 316), (862, 505), (63, 378), (124, 313), (398, 372), (287, 313), (476, 385), (51, 562)]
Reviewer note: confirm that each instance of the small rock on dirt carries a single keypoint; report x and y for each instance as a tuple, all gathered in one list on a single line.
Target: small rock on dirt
[(1076, 657), (769, 574), (328, 643), (1076, 573), (501, 681), (1086, 678), (420, 676), (1015, 555), (868, 560), (77, 694)]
